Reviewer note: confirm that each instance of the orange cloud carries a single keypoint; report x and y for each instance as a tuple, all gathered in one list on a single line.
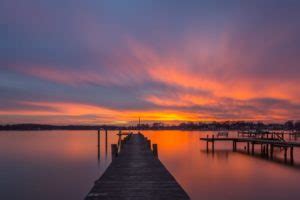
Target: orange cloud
[(101, 114), (203, 80)]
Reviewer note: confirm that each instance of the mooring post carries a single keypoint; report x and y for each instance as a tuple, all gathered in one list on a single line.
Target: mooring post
[(206, 143), (120, 143), (267, 150), (98, 138), (271, 151), (264, 150), (155, 151), (285, 154), (105, 141), (114, 151), (234, 145), (252, 148), (248, 147), (149, 143), (292, 154), (98, 145), (213, 143)]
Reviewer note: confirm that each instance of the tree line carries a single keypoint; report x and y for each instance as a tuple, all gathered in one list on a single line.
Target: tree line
[(225, 125)]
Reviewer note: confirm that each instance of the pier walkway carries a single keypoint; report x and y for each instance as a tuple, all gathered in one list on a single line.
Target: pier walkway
[(135, 173)]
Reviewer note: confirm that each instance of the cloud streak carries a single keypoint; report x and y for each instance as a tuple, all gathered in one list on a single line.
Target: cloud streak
[(97, 62)]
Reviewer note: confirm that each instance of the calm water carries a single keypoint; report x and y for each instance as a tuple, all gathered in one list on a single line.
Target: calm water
[(64, 165)]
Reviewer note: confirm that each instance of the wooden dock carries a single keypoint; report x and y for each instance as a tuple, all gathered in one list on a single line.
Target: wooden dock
[(267, 145), (136, 173)]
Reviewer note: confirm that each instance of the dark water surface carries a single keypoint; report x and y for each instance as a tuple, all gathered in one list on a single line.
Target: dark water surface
[(63, 165)]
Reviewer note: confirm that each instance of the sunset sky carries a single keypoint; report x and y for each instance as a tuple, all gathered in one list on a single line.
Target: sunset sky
[(111, 61)]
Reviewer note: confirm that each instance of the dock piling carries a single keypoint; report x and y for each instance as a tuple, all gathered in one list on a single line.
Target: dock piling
[(98, 138), (98, 145), (272, 151), (149, 143), (207, 143), (213, 143), (234, 145), (285, 154), (292, 155), (248, 147), (105, 141), (155, 151), (114, 151)]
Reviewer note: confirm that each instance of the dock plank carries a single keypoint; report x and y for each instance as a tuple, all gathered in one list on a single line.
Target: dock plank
[(136, 174)]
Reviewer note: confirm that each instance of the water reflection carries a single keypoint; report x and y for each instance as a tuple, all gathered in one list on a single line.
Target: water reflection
[(219, 154), (51, 164), (224, 174), (64, 165)]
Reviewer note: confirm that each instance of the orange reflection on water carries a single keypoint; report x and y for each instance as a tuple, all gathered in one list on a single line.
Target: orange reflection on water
[(71, 156), (200, 173), (169, 142)]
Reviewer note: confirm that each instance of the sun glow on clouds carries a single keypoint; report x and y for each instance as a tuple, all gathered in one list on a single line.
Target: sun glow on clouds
[(100, 114), (193, 84), (181, 67)]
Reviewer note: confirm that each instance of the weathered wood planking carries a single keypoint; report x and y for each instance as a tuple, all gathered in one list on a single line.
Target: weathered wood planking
[(137, 174)]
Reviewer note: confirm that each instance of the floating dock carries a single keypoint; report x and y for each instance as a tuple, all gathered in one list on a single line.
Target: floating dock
[(136, 173)]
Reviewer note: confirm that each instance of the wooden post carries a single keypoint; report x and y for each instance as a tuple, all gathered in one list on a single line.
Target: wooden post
[(98, 145), (248, 147), (207, 143), (105, 141), (120, 141), (285, 154), (267, 150), (272, 151), (149, 144), (98, 138), (234, 145), (155, 151), (213, 143), (252, 148), (292, 154), (114, 151)]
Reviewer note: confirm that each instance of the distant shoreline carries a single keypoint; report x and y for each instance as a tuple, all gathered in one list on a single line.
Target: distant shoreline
[(202, 126)]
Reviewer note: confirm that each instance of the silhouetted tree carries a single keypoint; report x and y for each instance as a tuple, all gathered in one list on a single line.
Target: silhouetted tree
[(289, 125)]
